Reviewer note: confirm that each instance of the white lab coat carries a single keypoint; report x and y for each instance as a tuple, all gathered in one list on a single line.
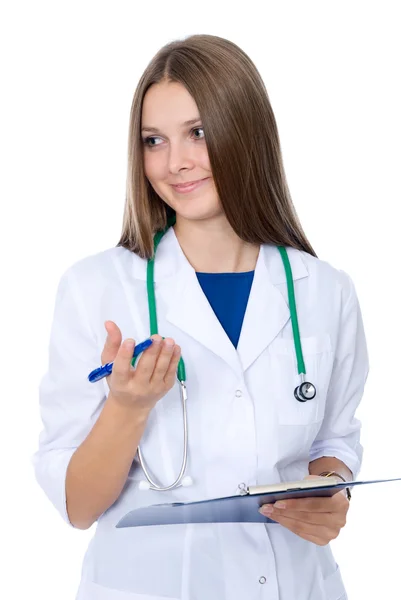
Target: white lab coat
[(245, 426)]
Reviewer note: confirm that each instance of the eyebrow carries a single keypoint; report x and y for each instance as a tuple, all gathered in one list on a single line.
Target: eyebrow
[(185, 124)]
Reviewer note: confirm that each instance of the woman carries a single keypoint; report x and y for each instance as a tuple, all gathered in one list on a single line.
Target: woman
[(201, 113)]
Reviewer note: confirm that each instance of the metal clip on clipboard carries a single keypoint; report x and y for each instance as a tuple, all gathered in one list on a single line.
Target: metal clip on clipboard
[(282, 487)]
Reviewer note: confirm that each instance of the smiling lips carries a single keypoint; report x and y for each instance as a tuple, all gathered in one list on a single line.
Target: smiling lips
[(188, 187)]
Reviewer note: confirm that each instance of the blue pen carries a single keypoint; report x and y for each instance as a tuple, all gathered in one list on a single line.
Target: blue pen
[(106, 369)]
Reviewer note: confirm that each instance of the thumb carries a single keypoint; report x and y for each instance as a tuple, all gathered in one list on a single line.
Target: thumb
[(112, 343)]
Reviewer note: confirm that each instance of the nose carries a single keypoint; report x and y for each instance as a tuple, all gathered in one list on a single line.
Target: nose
[(179, 157)]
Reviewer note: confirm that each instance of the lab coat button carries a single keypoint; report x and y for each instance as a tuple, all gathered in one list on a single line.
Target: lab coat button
[(238, 393), (262, 580)]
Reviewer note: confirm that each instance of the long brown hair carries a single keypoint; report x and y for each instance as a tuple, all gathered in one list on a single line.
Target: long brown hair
[(242, 143)]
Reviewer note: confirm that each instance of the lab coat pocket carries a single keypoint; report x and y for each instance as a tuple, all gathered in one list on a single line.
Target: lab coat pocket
[(93, 591), (318, 359), (334, 587)]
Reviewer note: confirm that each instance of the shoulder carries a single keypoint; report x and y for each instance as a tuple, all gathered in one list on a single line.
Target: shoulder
[(317, 272), (325, 276), (324, 270), (101, 268)]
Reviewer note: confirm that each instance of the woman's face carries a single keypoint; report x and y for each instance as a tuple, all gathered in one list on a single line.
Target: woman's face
[(176, 152)]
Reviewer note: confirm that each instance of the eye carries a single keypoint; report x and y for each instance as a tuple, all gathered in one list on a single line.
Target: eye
[(148, 140), (199, 129)]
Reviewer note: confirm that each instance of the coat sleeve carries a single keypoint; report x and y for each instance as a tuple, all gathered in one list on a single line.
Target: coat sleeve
[(69, 403), (339, 435)]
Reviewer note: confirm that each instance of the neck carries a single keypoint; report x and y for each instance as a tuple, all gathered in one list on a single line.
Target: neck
[(213, 247)]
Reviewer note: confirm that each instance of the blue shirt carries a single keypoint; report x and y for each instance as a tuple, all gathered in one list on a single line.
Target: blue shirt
[(228, 295)]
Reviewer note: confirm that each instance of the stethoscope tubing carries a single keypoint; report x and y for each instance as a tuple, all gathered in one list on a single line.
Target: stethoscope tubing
[(305, 391), (153, 484)]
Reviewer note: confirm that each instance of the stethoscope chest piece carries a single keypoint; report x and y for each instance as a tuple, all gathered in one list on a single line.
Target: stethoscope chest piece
[(304, 392)]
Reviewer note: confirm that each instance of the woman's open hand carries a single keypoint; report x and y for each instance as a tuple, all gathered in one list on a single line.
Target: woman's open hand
[(318, 520), (155, 374)]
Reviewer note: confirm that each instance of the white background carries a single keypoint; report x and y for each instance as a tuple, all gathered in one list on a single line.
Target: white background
[(69, 71)]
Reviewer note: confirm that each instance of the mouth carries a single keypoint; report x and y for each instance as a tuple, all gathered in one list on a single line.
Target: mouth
[(190, 185)]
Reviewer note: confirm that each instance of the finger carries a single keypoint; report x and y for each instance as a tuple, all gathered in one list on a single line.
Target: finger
[(325, 504), (122, 369), (112, 343), (171, 373), (321, 533), (337, 502), (314, 518), (146, 364), (315, 539), (163, 361)]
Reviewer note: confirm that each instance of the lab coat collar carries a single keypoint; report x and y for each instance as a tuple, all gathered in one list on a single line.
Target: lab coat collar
[(188, 308)]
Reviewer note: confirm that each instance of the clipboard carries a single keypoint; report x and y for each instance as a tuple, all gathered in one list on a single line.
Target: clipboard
[(234, 509)]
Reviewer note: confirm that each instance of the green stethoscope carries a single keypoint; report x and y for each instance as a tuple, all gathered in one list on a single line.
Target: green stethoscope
[(303, 392)]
